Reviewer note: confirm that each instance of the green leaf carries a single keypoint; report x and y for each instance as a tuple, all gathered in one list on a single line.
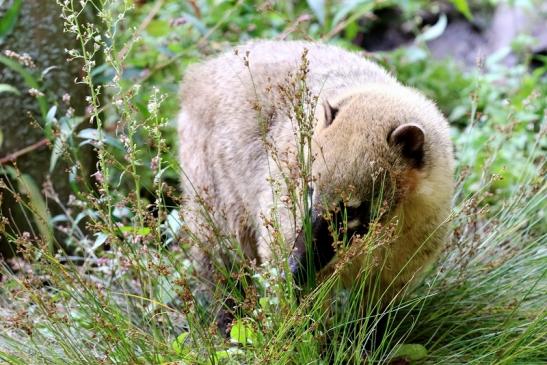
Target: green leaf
[(414, 54), (463, 7), (95, 135), (8, 21), (67, 126), (6, 88), (240, 333), (411, 351), (48, 70), (30, 81), (264, 303), (352, 8), (143, 231), (351, 30), (318, 8), (11, 359), (100, 240), (434, 31), (49, 122), (495, 58), (58, 149), (198, 24), (37, 204), (224, 356), (158, 28), (178, 344)]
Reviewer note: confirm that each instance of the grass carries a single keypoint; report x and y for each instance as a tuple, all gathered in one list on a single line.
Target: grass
[(126, 292)]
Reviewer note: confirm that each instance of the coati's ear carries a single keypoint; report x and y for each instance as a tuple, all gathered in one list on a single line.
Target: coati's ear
[(330, 112), (410, 138)]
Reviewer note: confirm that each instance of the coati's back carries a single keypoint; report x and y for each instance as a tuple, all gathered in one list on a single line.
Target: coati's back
[(366, 123), (222, 84)]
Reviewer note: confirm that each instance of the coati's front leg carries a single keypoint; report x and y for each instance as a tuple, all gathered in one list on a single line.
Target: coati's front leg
[(221, 291), (208, 253)]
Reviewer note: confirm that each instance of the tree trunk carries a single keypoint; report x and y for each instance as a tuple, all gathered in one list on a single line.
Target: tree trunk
[(39, 33)]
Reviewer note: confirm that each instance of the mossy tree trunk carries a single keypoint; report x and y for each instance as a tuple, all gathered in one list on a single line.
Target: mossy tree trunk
[(38, 32)]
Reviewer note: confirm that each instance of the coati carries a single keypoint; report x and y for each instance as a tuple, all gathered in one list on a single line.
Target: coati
[(239, 132)]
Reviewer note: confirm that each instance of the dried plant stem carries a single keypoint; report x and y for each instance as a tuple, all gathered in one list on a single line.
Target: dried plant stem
[(23, 151)]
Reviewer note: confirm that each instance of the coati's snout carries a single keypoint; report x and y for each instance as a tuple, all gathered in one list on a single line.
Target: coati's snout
[(314, 246)]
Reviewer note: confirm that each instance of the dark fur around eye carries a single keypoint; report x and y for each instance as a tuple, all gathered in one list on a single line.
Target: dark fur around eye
[(362, 213)]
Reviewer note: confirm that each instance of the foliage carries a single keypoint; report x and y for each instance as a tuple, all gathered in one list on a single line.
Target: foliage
[(8, 21), (125, 292)]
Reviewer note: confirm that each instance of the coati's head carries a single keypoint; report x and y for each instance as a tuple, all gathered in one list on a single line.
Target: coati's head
[(380, 144)]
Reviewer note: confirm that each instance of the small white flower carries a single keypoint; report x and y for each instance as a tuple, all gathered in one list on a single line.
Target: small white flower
[(35, 92), (99, 177)]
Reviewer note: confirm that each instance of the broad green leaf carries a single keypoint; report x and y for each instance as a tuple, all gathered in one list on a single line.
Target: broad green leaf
[(6, 88), (142, 231), (198, 24), (463, 7), (58, 149), (50, 116), (38, 207), (411, 351), (355, 8), (99, 241), (8, 21), (158, 28), (243, 334), (435, 31), (223, 356), (95, 135), (50, 120), (264, 303), (30, 81), (351, 30), (178, 344), (318, 8), (47, 70)]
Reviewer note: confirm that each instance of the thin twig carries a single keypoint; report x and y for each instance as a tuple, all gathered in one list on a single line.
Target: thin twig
[(294, 26), (15, 155), (195, 8)]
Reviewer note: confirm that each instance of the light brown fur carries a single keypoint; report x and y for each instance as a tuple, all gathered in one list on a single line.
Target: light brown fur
[(225, 161)]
